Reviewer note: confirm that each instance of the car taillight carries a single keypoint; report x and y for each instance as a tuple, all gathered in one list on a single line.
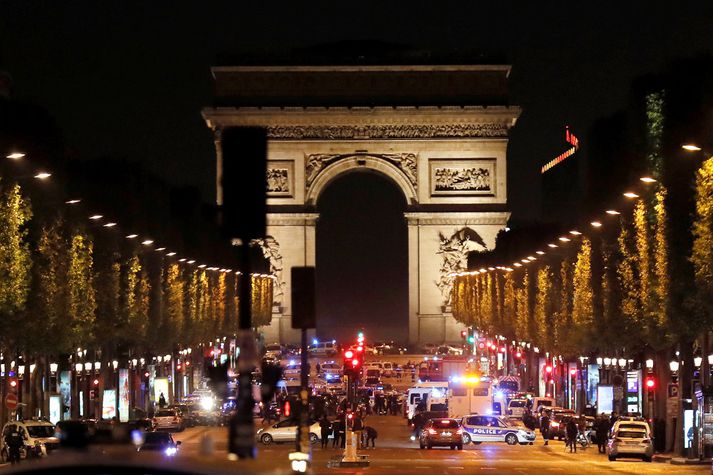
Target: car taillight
[(175, 418), (459, 431), (432, 432)]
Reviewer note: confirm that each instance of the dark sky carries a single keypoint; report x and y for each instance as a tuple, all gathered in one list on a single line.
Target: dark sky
[(128, 79)]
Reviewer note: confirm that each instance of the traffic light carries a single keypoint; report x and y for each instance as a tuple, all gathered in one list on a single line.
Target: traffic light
[(13, 383), (650, 383), (464, 334), (287, 410)]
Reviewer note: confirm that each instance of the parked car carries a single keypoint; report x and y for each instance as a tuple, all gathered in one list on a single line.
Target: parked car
[(516, 407), (159, 442), (188, 412), (441, 433), (39, 437), (558, 425), (168, 419), (286, 431), (478, 429), (630, 443)]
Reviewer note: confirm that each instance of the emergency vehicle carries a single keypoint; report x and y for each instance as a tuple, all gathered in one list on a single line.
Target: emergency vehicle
[(434, 392), (470, 394), (443, 368)]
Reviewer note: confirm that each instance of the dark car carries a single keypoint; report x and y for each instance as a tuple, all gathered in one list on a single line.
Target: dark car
[(441, 433), (159, 442), (558, 426)]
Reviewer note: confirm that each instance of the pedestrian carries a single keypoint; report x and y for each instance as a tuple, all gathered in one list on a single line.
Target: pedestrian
[(325, 428), (571, 431), (14, 442), (419, 420), (161, 401), (358, 429), (545, 426), (371, 435), (339, 429), (319, 369), (602, 431)]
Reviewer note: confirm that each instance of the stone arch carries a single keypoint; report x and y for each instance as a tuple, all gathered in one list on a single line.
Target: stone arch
[(361, 162)]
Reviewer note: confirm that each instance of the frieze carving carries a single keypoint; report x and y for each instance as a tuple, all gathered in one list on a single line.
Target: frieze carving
[(386, 131), (406, 162)]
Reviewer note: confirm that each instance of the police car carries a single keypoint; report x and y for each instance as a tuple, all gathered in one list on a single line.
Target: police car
[(479, 429)]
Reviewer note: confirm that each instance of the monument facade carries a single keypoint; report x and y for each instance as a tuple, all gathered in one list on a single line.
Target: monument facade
[(439, 133)]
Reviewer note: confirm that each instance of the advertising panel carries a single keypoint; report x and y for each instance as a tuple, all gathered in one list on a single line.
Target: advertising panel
[(65, 390), (124, 395), (160, 387), (55, 408), (605, 398), (109, 404)]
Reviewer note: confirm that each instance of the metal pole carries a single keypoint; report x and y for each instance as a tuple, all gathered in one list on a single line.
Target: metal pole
[(241, 442), (303, 444)]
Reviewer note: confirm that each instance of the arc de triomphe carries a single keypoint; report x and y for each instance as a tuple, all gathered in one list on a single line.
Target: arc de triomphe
[(440, 133)]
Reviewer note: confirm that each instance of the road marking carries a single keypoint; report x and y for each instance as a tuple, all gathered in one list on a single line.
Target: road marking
[(456, 468)]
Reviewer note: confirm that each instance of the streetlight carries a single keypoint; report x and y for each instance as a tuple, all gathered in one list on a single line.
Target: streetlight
[(596, 224), (698, 361), (691, 147), (600, 360), (622, 362), (15, 155), (673, 366), (43, 175), (650, 364)]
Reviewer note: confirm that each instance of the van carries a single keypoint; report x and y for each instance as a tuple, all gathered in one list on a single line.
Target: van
[(416, 395), (539, 403), (516, 407), (324, 348)]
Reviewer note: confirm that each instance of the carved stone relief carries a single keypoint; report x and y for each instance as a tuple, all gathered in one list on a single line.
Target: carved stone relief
[(271, 250), (386, 131), (454, 257)]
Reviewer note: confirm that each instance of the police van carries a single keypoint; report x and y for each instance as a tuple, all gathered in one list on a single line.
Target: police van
[(483, 428)]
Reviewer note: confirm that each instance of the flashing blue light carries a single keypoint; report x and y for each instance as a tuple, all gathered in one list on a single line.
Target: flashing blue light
[(315, 341), (292, 362), (499, 394), (489, 412)]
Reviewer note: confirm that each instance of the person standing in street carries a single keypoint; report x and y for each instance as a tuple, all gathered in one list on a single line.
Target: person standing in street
[(571, 431), (325, 428), (358, 428), (602, 431), (545, 426), (14, 443)]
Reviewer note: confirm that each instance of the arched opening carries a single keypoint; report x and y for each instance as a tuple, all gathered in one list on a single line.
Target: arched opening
[(362, 259)]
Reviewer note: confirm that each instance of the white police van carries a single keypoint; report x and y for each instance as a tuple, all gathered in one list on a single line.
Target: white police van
[(484, 428)]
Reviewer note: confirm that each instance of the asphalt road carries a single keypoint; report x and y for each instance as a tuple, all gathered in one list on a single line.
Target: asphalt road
[(395, 454)]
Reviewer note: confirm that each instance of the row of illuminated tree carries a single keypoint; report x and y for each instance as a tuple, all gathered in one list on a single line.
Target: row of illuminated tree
[(604, 290), (66, 284)]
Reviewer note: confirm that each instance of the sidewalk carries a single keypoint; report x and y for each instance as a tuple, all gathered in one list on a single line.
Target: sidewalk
[(674, 460)]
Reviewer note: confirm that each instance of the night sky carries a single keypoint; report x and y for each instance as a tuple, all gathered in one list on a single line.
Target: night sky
[(128, 79)]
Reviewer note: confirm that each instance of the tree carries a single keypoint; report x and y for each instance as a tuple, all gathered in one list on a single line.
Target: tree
[(15, 263), (582, 296), (702, 253), (81, 307)]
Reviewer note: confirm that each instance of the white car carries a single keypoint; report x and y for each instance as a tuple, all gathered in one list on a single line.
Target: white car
[(630, 443), (168, 419), (479, 429), (286, 431), (516, 407), (39, 437), (630, 424)]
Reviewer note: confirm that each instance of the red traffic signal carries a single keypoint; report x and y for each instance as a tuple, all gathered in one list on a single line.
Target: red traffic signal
[(13, 383), (463, 334), (481, 345), (349, 354), (650, 382), (287, 410), (96, 382), (573, 372), (548, 368), (518, 355), (350, 416)]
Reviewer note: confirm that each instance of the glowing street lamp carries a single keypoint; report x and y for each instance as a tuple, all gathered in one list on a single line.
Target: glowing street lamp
[(552, 245), (564, 239), (574, 232), (596, 224), (94, 217), (698, 361), (72, 202), (612, 212), (132, 236), (691, 147), (15, 155), (649, 364), (647, 179), (43, 175), (631, 194), (147, 242), (673, 366)]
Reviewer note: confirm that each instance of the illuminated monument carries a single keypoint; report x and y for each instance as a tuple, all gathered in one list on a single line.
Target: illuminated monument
[(440, 133)]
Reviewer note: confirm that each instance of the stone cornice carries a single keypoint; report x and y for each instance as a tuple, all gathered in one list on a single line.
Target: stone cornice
[(292, 219), (458, 219), (298, 123)]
